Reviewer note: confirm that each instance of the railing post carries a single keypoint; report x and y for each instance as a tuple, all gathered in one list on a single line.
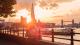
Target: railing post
[(5, 31), (18, 33), (52, 35), (10, 31), (13, 32), (40, 38), (72, 34), (23, 32)]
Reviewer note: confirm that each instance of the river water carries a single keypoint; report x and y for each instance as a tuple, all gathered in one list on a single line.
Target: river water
[(76, 37)]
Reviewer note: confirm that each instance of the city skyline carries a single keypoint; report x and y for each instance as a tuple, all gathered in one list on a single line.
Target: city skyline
[(54, 11)]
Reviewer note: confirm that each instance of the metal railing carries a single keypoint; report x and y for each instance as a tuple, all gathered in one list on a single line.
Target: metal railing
[(71, 37), (19, 33), (23, 34)]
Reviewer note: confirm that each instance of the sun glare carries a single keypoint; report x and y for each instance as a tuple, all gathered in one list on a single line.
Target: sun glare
[(28, 19), (23, 13)]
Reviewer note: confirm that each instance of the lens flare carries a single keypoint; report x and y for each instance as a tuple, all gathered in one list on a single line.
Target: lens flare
[(24, 13)]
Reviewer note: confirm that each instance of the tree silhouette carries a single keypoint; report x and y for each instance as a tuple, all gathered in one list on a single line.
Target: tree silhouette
[(6, 7)]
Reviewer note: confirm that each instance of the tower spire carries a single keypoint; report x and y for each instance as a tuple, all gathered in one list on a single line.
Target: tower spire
[(32, 14)]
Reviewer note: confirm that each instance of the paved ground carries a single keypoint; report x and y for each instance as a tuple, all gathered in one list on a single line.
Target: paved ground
[(3, 42)]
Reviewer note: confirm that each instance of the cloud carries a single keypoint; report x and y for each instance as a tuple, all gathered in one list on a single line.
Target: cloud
[(51, 3), (69, 10), (23, 4), (64, 0), (65, 9), (69, 7)]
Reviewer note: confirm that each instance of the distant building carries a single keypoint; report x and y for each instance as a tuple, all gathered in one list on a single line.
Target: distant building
[(49, 25), (45, 25), (23, 21), (1, 23), (2, 20)]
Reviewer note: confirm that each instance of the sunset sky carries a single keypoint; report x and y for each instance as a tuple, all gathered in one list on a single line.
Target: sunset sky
[(52, 10)]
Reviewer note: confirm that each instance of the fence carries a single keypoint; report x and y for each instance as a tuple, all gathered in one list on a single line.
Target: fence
[(71, 37), (19, 33), (23, 34)]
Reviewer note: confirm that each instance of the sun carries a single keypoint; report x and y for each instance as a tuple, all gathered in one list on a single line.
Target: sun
[(28, 19), (24, 13)]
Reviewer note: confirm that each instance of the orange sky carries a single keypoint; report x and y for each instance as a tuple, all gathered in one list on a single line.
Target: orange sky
[(52, 10)]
